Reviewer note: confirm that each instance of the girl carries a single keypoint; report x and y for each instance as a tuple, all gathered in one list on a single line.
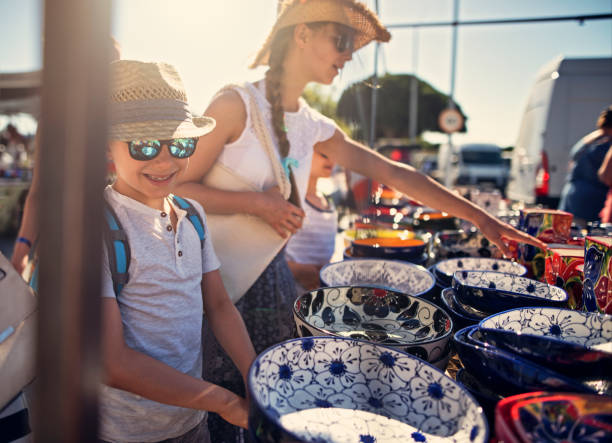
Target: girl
[(311, 41)]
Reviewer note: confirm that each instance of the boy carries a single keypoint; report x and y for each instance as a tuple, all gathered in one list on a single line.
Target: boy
[(151, 337)]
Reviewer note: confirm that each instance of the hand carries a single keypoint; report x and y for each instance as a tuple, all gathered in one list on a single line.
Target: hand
[(19, 260), (284, 217), (236, 412), (499, 233)]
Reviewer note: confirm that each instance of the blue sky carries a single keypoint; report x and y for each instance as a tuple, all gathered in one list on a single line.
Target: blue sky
[(211, 43)]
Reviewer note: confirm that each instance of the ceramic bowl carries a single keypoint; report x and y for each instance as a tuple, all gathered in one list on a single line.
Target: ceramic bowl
[(487, 398), (563, 418), (334, 389), (395, 275), (378, 315), (507, 373), (390, 248), (445, 269), (575, 343), (460, 318), (421, 261), (490, 291)]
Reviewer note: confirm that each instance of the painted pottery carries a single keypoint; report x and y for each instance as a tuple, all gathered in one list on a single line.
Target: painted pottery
[(561, 269), (395, 275), (330, 389), (445, 269), (490, 291), (378, 315), (597, 289)]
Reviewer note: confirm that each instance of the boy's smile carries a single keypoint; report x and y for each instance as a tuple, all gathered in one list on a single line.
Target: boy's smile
[(146, 181)]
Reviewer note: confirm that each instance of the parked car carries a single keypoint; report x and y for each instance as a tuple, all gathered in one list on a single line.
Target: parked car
[(471, 164), (567, 97)]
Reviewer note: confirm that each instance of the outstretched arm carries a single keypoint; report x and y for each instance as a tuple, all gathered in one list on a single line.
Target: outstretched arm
[(357, 157), (226, 322), (229, 112), (29, 221), (140, 374)]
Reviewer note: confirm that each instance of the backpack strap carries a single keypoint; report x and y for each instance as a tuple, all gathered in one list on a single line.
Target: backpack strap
[(118, 249), (193, 215)]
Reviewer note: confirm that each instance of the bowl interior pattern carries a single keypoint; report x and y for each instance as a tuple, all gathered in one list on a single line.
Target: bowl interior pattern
[(510, 283), (306, 377), (373, 314), (399, 276), (590, 330), (450, 266)]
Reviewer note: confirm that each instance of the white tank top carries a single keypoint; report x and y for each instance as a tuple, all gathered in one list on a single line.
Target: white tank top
[(247, 157)]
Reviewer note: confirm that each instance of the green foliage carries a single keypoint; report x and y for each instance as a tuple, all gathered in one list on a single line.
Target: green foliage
[(393, 106)]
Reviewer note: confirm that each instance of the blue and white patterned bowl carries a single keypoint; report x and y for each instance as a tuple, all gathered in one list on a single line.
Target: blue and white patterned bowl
[(497, 291), (445, 269), (378, 315), (329, 389), (507, 373), (575, 343), (389, 274)]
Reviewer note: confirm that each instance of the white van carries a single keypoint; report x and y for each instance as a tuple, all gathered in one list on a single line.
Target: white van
[(471, 164), (565, 101)]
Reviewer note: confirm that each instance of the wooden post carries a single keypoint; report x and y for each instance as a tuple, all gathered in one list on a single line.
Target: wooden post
[(73, 157)]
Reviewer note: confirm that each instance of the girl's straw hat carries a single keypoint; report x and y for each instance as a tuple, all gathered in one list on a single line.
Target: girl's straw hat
[(148, 102), (350, 13)]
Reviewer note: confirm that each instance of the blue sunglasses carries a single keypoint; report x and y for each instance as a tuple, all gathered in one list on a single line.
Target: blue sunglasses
[(144, 150)]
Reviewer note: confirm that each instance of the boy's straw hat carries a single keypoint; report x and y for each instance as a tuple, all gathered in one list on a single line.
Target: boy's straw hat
[(148, 102), (350, 13)]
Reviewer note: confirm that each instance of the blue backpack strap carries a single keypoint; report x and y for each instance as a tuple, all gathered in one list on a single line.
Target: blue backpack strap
[(193, 215), (118, 249)]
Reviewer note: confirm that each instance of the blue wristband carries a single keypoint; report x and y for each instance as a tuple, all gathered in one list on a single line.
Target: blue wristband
[(24, 240)]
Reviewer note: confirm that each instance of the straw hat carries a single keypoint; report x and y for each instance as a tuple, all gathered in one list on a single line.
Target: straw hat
[(148, 102), (350, 13)]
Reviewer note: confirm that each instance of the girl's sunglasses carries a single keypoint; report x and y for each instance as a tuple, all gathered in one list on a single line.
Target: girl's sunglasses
[(344, 43), (149, 149)]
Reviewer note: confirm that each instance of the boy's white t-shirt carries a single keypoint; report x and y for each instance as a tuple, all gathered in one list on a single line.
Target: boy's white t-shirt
[(161, 311)]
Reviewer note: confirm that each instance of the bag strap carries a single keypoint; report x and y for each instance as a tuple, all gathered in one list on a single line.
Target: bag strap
[(285, 181), (118, 249), (192, 215)]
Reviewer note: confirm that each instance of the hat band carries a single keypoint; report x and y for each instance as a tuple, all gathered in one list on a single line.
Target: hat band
[(149, 110)]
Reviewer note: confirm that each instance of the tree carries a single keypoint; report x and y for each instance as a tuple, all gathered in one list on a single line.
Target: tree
[(393, 102), (326, 105)]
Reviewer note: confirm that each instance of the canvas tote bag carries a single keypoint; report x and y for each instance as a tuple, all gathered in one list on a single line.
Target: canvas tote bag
[(245, 244), (18, 309)]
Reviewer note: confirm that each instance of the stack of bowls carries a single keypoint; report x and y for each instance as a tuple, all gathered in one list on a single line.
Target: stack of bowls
[(378, 315), (413, 249), (538, 348), (444, 295), (333, 389)]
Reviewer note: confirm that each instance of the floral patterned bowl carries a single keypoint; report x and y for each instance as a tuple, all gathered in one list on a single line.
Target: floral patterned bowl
[(338, 390), (445, 269), (390, 274), (377, 315), (507, 373), (575, 343), (497, 291)]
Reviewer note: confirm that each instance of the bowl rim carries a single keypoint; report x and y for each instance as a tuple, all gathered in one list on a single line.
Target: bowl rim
[(447, 335), (249, 387), (494, 352), (516, 264), (400, 262), (519, 294), (459, 314), (546, 338)]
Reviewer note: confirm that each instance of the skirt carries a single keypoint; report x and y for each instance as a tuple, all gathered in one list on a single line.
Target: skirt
[(266, 309)]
